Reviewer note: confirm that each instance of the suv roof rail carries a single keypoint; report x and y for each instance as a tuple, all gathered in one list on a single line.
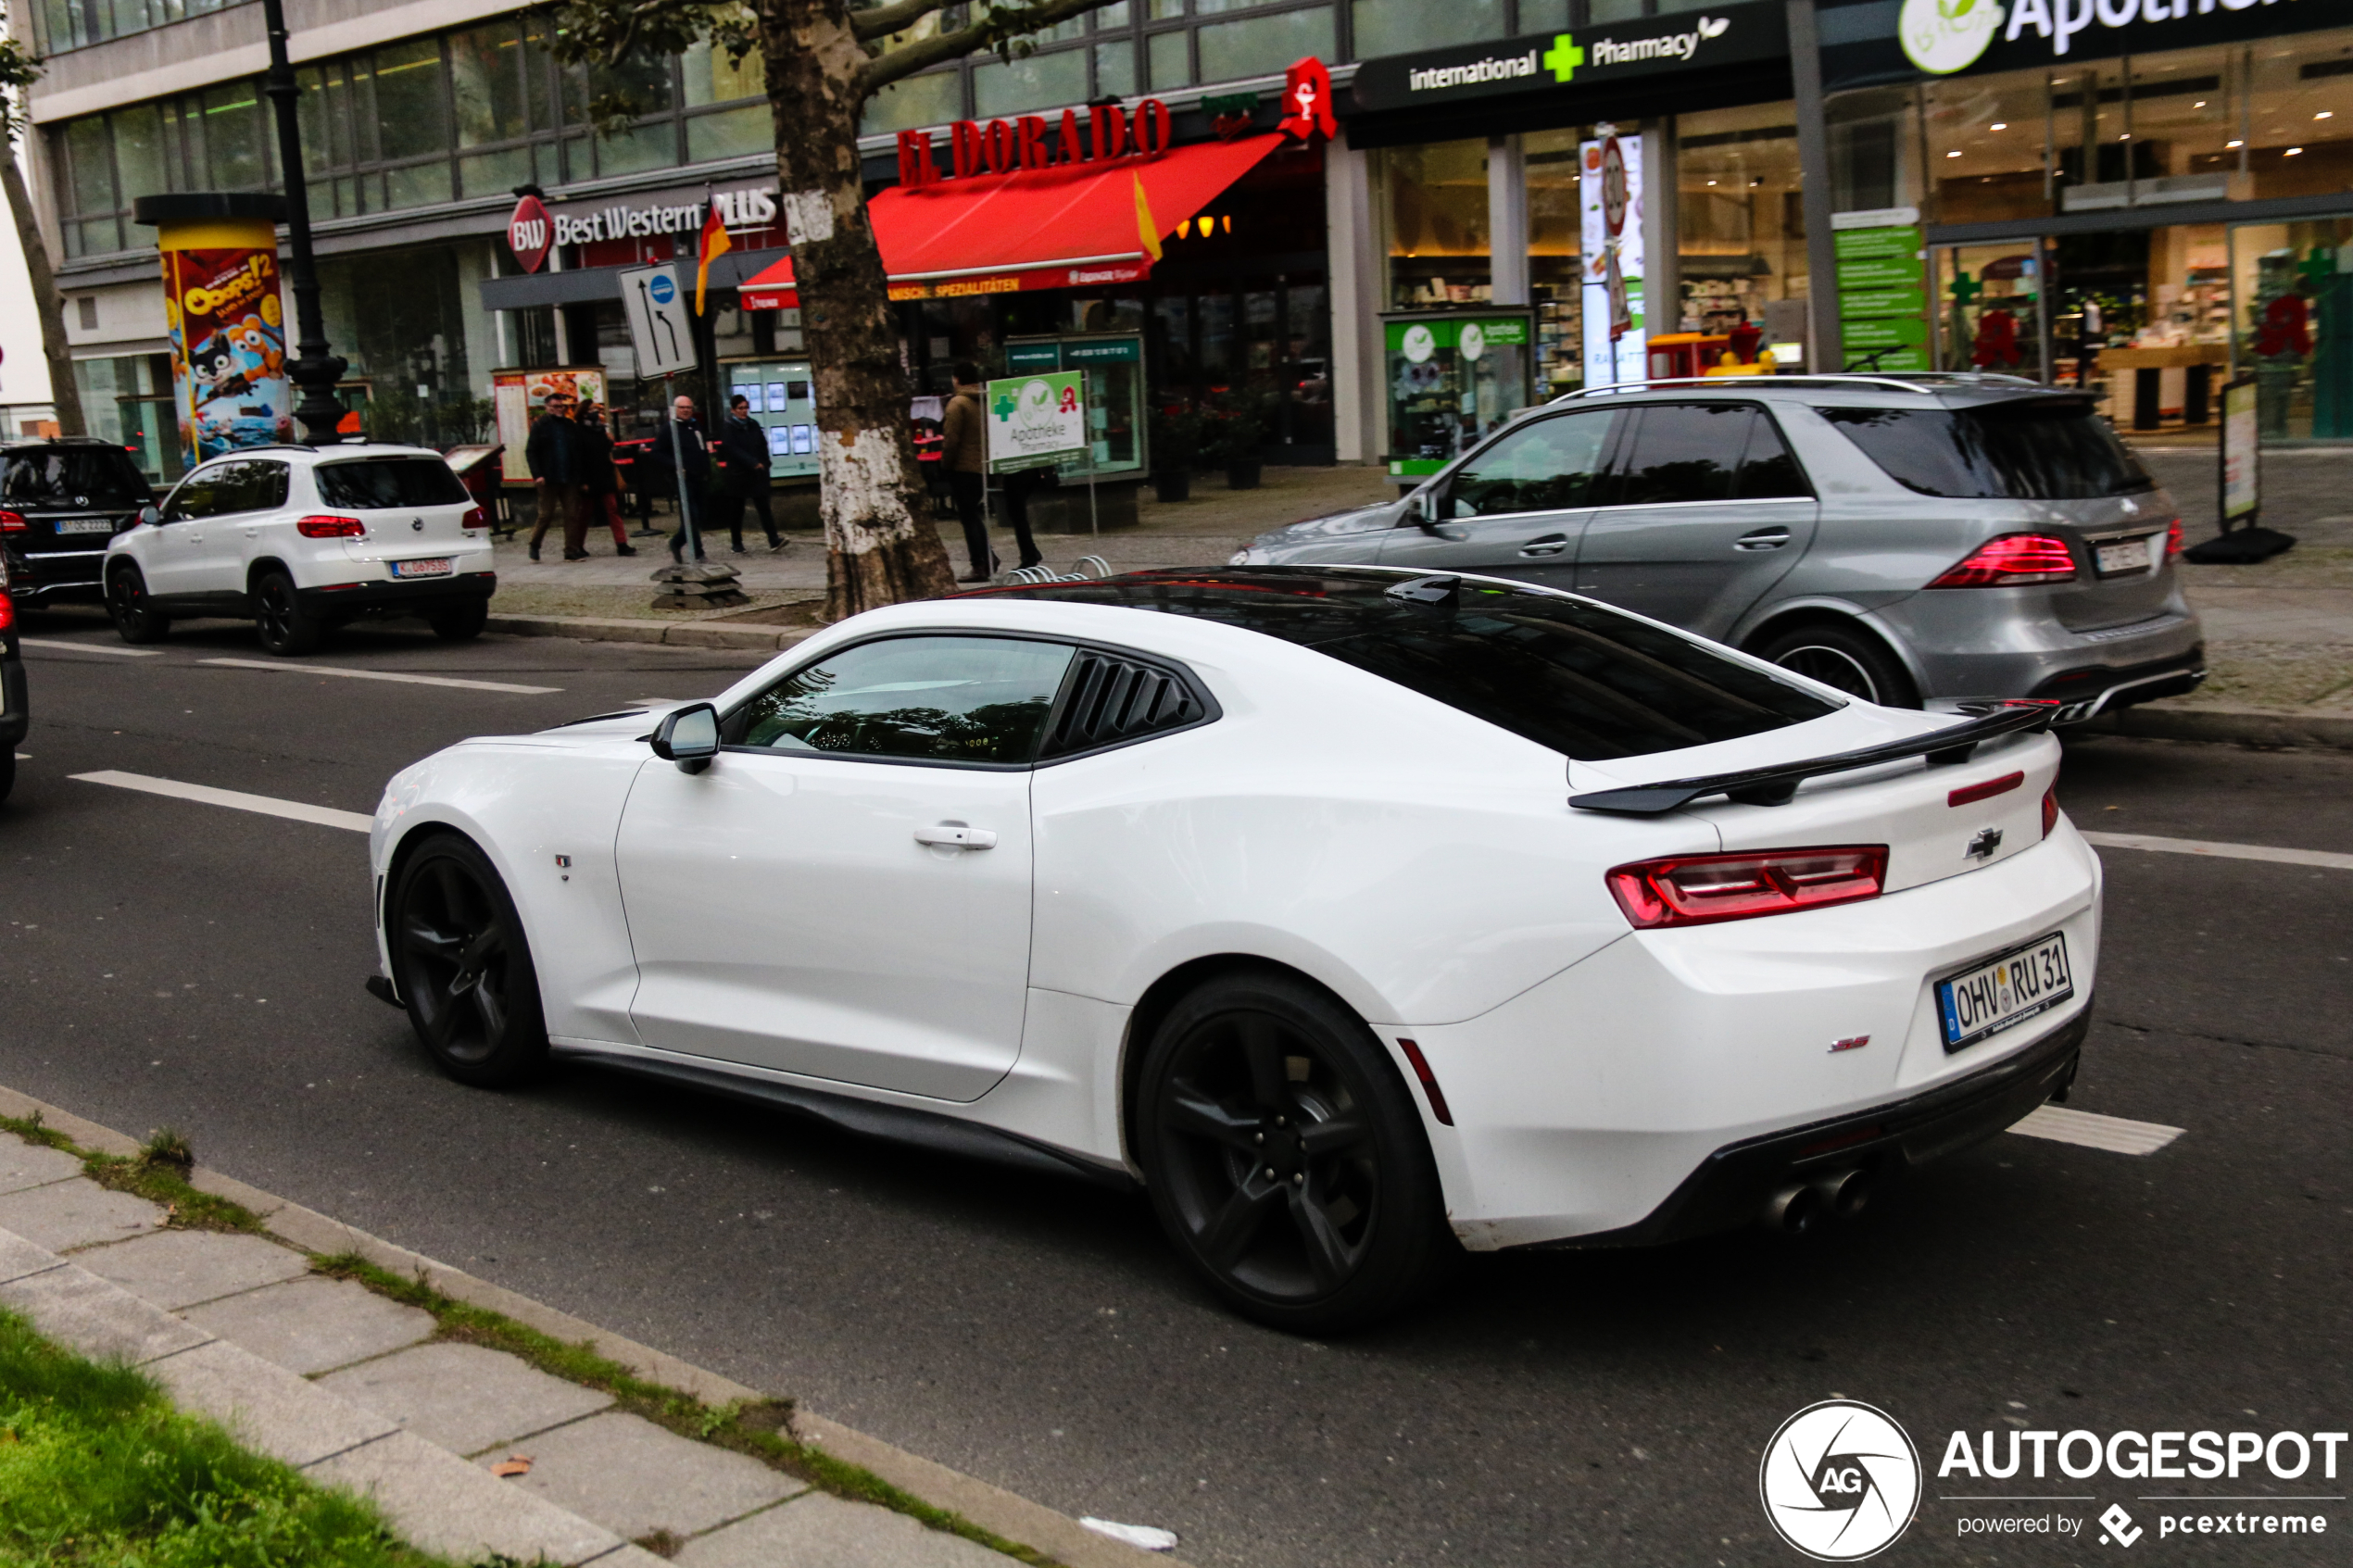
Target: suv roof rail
[(1908, 381)]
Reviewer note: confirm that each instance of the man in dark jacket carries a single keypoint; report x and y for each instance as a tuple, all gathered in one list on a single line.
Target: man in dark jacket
[(601, 493), (558, 460), (743, 472), (679, 439)]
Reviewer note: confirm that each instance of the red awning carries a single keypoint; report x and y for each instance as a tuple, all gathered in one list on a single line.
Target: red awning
[(1063, 226)]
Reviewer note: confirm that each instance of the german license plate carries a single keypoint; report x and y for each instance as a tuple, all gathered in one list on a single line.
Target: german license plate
[(2009, 989), (85, 526), (438, 567), (2125, 555)]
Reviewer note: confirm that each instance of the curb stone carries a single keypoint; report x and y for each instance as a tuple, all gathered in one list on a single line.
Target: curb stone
[(618, 629), (2235, 726), (1002, 1512)]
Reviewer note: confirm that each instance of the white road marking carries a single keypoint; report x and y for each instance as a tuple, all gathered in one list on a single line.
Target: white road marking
[(2113, 1133), (2327, 857), (236, 799), (88, 647), (382, 675)]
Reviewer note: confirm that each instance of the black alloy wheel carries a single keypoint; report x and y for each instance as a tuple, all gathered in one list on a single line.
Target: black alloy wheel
[(1286, 1158), (1848, 658), (460, 624), (286, 628), (136, 620), (463, 966)]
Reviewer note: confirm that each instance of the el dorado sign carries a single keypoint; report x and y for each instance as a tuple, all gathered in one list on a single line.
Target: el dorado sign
[(1568, 62)]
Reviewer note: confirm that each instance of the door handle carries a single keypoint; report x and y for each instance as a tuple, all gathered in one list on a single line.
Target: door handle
[(956, 836), (1550, 545), (1763, 539)]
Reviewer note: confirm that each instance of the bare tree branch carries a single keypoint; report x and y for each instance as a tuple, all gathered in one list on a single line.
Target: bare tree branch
[(881, 21), (1001, 27)]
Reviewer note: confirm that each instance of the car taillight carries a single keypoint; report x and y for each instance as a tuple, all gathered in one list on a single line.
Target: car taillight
[(332, 528), (473, 518), (13, 522), (2174, 538), (1971, 794), (1702, 889), (2050, 808), (7, 612), (2010, 561)]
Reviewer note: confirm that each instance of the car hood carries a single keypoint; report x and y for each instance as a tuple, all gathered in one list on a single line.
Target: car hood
[(1363, 520)]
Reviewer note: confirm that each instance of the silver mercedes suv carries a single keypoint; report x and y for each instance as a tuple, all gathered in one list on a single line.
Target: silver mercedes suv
[(1912, 539)]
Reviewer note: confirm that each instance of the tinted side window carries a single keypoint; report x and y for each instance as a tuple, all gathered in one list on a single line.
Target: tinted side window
[(1681, 452), (1546, 465), (381, 484), (265, 486), (208, 492), (933, 699), (1767, 468), (2044, 449)]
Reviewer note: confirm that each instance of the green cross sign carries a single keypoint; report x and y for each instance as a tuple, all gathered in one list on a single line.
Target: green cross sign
[(1564, 57), (1005, 405)]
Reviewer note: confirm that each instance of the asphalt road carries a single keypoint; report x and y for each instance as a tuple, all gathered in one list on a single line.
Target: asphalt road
[(175, 964)]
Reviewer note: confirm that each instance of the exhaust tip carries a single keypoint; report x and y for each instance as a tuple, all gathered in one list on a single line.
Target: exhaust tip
[(1794, 1210), (1843, 1194)]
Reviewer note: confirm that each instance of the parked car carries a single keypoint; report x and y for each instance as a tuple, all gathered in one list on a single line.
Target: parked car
[(16, 711), (61, 500), (1356, 914), (301, 540), (1908, 539)]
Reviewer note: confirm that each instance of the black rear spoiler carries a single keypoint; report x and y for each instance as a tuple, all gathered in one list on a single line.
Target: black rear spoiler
[(1777, 785)]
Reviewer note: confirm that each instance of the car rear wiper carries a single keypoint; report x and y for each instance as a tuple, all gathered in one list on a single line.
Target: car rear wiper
[(1777, 785)]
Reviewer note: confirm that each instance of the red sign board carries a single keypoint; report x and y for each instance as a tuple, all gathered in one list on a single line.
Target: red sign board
[(529, 233)]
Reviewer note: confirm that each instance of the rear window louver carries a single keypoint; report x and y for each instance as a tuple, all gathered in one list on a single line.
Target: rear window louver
[(1108, 699)]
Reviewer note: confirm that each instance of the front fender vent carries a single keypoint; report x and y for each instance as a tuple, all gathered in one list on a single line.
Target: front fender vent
[(1108, 699)]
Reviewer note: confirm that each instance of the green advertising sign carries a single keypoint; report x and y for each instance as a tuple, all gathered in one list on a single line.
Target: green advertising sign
[(1033, 357), (1885, 332), (1878, 272), (1036, 420), (1109, 351), (1859, 245), (1853, 303), (1418, 340)]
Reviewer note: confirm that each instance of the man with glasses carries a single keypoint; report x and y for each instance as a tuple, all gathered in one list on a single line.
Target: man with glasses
[(558, 459)]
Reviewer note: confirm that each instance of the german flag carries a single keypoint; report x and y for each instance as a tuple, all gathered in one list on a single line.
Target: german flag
[(714, 243)]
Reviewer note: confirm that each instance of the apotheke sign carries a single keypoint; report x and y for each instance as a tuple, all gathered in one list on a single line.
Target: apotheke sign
[(1566, 62)]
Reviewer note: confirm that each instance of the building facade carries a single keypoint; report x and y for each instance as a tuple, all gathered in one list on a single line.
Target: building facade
[(1528, 194)]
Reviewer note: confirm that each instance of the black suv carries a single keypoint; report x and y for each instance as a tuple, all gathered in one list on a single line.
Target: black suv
[(60, 501)]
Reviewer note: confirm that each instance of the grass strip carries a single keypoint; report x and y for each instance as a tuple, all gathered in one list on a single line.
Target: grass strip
[(752, 1428), (98, 1471), (158, 1172)]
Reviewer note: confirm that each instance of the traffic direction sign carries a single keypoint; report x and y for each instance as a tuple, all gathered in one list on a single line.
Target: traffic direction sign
[(659, 325)]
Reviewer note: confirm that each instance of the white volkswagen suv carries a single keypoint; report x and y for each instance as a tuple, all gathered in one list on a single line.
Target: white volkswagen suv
[(302, 539)]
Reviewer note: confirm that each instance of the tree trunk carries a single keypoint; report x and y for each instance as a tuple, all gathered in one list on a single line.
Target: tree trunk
[(46, 301), (881, 546)]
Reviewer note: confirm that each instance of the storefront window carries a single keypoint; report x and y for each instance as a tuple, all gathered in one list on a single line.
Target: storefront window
[(1433, 200), (1740, 215), (2294, 334), (1244, 48), (2299, 128), (486, 68), (934, 99), (1555, 233), (1172, 60), (1002, 87), (1402, 27), (232, 137), (1874, 138), (711, 77), (1989, 146), (1115, 69)]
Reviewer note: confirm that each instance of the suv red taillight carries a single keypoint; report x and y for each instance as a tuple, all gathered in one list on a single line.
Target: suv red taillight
[(329, 527), (2010, 561), (2174, 538), (13, 522), (473, 518), (1703, 889)]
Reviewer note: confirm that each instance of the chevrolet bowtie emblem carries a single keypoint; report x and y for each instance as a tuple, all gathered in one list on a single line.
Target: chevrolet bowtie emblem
[(1981, 847)]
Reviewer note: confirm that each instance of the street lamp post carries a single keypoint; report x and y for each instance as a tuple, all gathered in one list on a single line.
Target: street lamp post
[(313, 371)]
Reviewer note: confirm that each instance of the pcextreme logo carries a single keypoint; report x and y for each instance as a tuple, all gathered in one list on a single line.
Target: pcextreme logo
[(1840, 1481)]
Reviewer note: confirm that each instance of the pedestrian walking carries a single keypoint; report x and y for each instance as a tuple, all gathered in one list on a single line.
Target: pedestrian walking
[(603, 489), (557, 458), (743, 473), (964, 454), (679, 439)]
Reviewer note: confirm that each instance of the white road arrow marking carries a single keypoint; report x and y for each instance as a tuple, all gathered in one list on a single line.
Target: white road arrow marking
[(2113, 1133)]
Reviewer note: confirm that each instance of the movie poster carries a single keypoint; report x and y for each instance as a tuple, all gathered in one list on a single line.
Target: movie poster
[(228, 346)]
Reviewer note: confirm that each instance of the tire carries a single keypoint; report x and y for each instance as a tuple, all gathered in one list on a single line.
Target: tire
[(1846, 657), (136, 620), (286, 628), (463, 967), (1259, 1072), (461, 624), (7, 769)]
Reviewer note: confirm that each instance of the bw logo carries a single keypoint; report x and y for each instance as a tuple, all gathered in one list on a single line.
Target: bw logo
[(1840, 1481)]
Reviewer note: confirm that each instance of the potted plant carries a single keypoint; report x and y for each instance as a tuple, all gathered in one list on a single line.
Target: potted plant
[(1175, 438)]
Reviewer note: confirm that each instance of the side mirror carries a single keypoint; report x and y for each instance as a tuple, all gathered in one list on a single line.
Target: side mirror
[(150, 515), (1421, 511), (689, 738)]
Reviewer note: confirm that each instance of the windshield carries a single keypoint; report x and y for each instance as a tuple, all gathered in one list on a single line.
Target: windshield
[(1581, 678), (73, 476), (387, 484), (2038, 449)]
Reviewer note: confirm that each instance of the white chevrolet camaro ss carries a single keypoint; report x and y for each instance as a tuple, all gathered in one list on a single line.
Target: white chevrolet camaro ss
[(1359, 916)]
